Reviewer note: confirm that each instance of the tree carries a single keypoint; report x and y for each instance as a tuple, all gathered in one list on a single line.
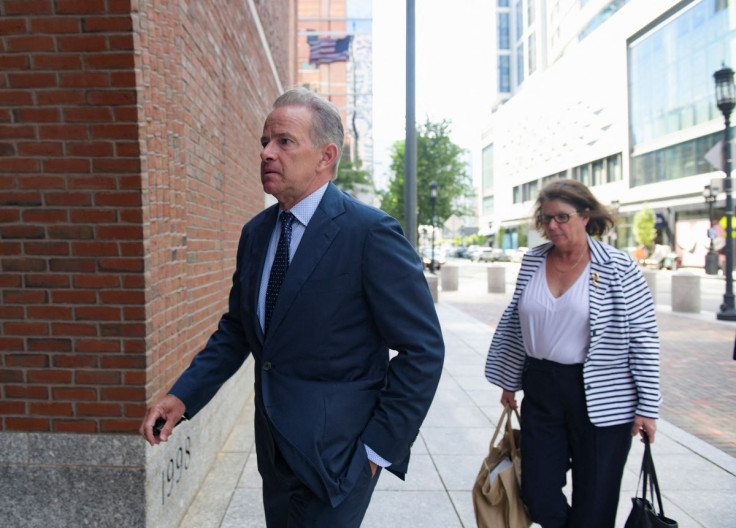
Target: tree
[(644, 230), (350, 174), (440, 160)]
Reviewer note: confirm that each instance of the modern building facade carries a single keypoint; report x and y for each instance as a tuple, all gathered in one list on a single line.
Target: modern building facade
[(617, 94)]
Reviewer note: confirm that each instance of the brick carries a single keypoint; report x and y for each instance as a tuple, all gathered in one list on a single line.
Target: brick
[(73, 329), (70, 232), (32, 43), (13, 62), (49, 345), (13, 26), (75, 394), (74, 426), (82, 43), (84, 80), (87, 114), (97, 248), (118, 232), (123, 78), (32, 80), (134, 346), (51, 409), (123, 362), (45, 216), (110, 61), (9, 215), (134, 313), (97, 345), (135, 377), (42, 182), (93, 182), (55, 25), (55, 61), (69, 198), (112, 98), (49, 376), (27, 424), (63, 132), (12, 407), (7, 149), (77, 165), (126, 113), (116, 165), (17, 132), (123, 394), (71, 7), (97, 313), (24, 297), (121, 42), (99, 409), (124, 265), (72, 265), (22, 231), (137, 410), (122, 297), (20, 199), (40, 149), (119, 199), (11, 375), (27, 360), (15, 97), (25, 328), (86, 281), (134, 216), (90, 149), (57, 313), (108, 24), (37, 115), (46, 248), (119, 426), (114, 131), (11, 312), (30, 392), (75, 361), (59, 97), (20, 165), (28, 7), (93, 216)]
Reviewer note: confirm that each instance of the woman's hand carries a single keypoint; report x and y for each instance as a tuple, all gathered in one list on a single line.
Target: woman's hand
[(644, 425), (508, 398)]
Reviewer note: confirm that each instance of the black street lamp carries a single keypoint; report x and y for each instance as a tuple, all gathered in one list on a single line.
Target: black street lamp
[(711, 258), (433, 201), (726, 100)]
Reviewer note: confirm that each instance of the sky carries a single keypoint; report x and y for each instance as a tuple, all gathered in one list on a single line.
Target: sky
[(454, 77)]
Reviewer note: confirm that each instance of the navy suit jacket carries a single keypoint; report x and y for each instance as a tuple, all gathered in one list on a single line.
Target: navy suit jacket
[(323, 375)]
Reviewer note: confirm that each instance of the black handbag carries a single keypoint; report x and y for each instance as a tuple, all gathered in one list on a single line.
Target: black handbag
[(642, 513)]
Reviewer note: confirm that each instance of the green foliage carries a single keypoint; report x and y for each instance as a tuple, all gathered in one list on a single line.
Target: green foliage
[(440, 160), (350, 173), (476, 240), (643, 227)]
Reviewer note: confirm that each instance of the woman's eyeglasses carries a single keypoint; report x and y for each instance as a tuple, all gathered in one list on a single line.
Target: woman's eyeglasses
[(560, 218)]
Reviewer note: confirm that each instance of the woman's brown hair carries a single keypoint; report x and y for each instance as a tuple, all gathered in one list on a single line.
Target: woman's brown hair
[(579, 196)]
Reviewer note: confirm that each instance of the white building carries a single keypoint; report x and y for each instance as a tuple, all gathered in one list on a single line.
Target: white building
[(617, 94)]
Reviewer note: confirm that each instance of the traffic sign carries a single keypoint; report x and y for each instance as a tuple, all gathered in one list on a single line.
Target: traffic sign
[(715, 155)]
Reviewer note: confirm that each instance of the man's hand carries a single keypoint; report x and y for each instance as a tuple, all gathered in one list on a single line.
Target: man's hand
[(171, 409), (374, 468)]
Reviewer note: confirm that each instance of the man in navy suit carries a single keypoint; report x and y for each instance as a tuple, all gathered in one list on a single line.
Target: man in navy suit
[(324, 287)]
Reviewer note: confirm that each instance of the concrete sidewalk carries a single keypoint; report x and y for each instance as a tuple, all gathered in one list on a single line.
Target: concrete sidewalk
[(698, 481)]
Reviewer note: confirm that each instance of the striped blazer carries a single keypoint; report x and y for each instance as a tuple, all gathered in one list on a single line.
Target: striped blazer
[(621, 370)]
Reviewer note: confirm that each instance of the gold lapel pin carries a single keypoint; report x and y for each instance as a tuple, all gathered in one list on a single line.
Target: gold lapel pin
[(594, 278)]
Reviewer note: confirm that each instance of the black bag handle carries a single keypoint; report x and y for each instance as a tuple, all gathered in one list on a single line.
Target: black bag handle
[(649, 475)]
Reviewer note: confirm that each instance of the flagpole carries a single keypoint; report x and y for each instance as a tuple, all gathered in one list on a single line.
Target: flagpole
[(410, 146)]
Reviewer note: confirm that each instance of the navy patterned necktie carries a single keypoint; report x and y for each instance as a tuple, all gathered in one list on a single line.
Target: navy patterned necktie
[(279, 267)]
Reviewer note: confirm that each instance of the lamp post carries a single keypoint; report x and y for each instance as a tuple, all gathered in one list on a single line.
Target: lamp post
[(433, 201), (711, 258), (726, 100)]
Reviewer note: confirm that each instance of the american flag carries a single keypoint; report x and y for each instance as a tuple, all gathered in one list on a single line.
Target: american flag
[(327, 50)]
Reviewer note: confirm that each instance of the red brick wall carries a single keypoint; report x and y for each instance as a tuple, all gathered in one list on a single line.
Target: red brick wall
[(128, 163)]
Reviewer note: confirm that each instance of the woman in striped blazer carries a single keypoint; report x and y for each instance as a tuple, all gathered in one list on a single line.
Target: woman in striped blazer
[(580, 339)]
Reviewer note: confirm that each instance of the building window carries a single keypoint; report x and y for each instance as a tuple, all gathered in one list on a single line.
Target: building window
[(503, 3), (504, 32), (504, 73), (487, 168), (488, 205), (519, 64), (613, 168), (530, 12), (670, 163), (518, 11), (532, 51), (517, 194)]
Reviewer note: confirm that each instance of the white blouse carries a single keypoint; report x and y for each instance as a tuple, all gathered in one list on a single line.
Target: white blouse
[(556, 328)]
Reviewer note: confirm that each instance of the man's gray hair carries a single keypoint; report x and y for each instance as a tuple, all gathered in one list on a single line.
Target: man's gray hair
[(326, 122)]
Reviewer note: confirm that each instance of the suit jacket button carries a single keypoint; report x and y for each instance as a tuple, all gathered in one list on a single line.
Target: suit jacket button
[(267, 365)]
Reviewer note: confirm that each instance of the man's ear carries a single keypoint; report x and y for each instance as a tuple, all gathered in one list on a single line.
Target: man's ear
[(329, 155)]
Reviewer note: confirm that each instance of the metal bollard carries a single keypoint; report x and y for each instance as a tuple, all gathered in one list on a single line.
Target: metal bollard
[(685, 292), (496, 279), (449, 276)]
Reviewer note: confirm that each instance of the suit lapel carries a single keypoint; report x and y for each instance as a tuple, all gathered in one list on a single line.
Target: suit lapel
[(317, 238), (599, 282)]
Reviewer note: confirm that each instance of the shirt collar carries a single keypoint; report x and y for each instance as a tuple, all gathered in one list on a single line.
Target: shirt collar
[(305, 209)]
